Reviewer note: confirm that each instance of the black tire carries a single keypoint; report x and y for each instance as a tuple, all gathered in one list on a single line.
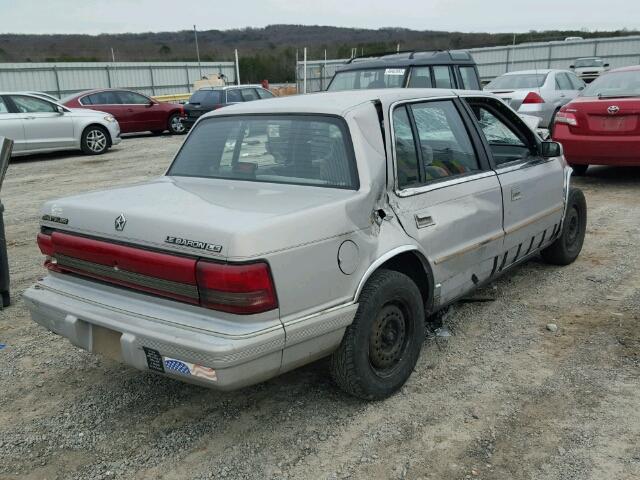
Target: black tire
[(95, 140), (381, 347), (157, 132), (552, 123), (175, 126), (579, 170), (566, 248)]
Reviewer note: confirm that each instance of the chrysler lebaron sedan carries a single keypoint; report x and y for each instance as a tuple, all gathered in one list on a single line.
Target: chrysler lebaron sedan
[(288, 230)]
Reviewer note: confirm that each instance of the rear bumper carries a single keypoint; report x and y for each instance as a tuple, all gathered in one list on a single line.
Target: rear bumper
[(598, 149), (239, 353)]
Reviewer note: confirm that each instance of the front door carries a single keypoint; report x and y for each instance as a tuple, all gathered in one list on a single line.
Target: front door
[(44, 126), (532, 186), (141, 112), (446, 195)]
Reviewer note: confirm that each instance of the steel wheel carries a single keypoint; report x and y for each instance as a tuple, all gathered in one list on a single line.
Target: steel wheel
[(388, 339)]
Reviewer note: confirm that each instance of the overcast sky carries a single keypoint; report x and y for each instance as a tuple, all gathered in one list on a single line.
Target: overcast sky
[(119, 16)]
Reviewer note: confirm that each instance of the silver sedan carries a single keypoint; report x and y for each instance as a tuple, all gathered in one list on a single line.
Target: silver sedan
[(38, 125), (540, 93)]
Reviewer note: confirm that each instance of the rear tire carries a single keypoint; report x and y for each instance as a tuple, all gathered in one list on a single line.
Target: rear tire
[(381, 347), (579, 170), (175, 126), (95, 140), (566, 248)]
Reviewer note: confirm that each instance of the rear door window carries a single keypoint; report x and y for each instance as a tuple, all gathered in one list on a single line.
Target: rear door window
[(420, 78), (563, 82), (469, 78), (132, 98), (249, 94), (101, 98), (206, 97), (234, 96), (262, 93), (442, 77), (575, 81)]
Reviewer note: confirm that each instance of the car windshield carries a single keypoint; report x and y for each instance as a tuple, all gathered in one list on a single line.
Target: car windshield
[(372, 78), (519, 80), (297, 149), (589, 62), (206, 96), (616, 84)]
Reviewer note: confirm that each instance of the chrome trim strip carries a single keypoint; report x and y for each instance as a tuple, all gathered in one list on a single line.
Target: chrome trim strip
[(469, 248), (529, 221), (438, 184)]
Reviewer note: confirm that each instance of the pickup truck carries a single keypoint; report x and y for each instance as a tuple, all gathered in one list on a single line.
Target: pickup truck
[(288, 230)]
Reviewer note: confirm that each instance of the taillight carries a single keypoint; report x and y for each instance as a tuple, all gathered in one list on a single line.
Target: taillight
[(45, 244), (241, 289), (566, 118), (533, 97)]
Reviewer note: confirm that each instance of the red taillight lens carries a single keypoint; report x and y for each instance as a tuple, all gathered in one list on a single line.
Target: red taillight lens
[(533, 97), (240, 289), (45, 244), (566, 118)]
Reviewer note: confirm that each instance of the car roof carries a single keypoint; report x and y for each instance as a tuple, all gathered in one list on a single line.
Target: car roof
[(408, 59), (338, 103), (229, 87), (542, 71), (631, 68)]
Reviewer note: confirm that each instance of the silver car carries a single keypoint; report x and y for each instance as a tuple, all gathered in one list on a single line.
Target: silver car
[(292, 229), (540, 93), (38, 125)]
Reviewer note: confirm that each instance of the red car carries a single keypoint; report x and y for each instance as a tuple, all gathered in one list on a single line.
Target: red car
[(602, 125), (135, 112)]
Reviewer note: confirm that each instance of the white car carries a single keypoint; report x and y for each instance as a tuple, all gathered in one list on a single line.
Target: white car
[(37, 125), (589, 68)]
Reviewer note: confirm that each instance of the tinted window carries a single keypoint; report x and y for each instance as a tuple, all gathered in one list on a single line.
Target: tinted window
[(249, 94), (589, 62), (101, 98), (562, 82), (206, 97), (3, 106), (262, 93), (233, 95), (523, 80), (444, 142), (442, 77), (420, 77), (469, 78), (299, 149), (372, 78), (32, 105), (406, 156), (132, 98)]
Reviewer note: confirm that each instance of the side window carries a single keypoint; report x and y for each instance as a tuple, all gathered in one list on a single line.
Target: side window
[(420, 77), (262, 93), (445, 147), (101, 98), (442, 76), (249, 94), (86, 100), (562, 82), (505, 143), (407, 166), (32, 105), (132, 98), (575, 81), (233, 95), (469, 78), (3, 106)]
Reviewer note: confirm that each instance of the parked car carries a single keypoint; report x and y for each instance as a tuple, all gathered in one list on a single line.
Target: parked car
[(589, 68), (38, 125), (602, 125), (207, 99), (440, 69), (540, 93), (287, 230), (44, 95), (135, 112)]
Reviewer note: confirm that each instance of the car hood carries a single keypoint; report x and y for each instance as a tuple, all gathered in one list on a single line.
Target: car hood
[(211, 217)]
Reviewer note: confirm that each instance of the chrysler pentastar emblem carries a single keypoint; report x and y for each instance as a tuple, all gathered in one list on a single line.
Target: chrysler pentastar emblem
[(120, 222), (613, 109)]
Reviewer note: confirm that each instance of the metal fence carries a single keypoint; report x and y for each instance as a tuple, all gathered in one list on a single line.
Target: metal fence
[(60, 79), (494, 61)]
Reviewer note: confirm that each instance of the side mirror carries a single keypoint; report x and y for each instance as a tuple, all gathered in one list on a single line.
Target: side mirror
[(551, 149), (572, 67), (581, 88), (606, 65), (60, 110)]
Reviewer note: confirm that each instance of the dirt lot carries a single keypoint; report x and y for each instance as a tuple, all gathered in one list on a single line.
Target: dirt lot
[(503, 398)]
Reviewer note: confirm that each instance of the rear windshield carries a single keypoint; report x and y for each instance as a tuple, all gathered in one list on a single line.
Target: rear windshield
[(206, 96), (616, 84), (372, 78), (589, 62), (525, 80), (297, 149)]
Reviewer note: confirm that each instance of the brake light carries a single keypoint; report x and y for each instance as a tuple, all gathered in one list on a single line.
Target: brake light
[(566, 118), (241, 289), (45, 244), (533, 97)]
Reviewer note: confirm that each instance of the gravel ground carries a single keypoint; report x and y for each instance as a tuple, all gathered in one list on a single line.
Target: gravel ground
[(502, 398)]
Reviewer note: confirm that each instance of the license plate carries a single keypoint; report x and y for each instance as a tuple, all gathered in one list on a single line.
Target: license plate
[(158, 363)]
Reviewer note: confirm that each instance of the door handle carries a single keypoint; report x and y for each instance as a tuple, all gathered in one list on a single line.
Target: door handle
[(29, 118), (515, 194), (423, 221)]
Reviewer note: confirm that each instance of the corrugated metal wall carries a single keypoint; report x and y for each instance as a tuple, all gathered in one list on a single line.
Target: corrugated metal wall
[(60, 79), (494, 61)]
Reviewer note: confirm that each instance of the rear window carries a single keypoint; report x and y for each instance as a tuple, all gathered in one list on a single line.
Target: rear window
[(364, 79), (297, 149), (525, 80), (615, 84), (206, 96)]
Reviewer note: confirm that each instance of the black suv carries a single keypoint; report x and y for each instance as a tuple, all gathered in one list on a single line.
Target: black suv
[(439, 69), (207, 99)]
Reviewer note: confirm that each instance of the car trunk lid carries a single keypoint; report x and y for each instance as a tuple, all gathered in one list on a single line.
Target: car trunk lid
[(606, 116)]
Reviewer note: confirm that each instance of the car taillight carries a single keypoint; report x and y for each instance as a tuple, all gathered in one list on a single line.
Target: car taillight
[(45, 244), (566, 118), (533, 97), (241, 289)]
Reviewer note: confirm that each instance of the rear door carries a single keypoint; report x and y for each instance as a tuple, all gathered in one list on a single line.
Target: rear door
[(447, 197), (44, 127), (141, 111), (12, 125), (532, 187), (107, 101)]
